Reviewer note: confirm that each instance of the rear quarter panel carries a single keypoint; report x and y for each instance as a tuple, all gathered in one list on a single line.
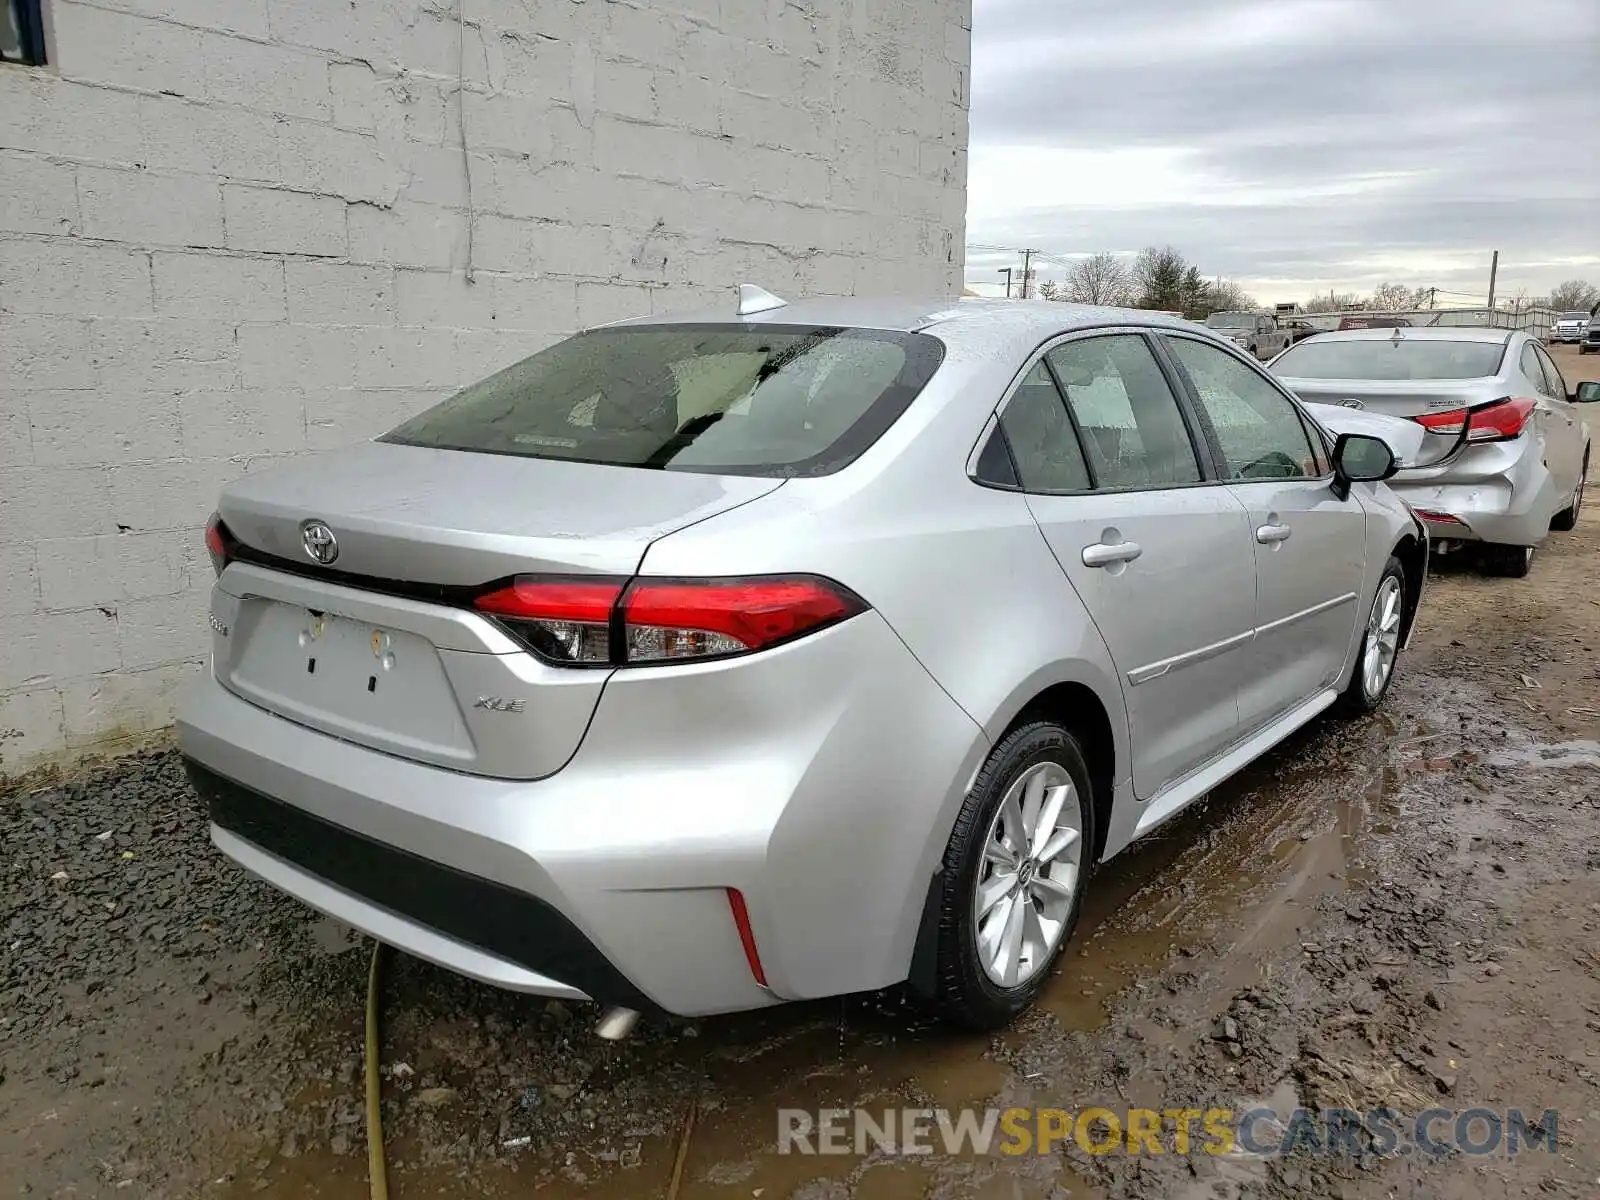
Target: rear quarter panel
[(960, 572)]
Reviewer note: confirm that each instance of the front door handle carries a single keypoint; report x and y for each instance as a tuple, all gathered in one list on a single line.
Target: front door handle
[(1102, 555), (1268, 534)]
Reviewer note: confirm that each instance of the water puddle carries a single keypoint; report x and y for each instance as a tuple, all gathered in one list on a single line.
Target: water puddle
[(1223, 886), (1561, 754)]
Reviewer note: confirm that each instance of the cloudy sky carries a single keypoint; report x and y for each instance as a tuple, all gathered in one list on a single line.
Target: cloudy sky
[(1293, 145)]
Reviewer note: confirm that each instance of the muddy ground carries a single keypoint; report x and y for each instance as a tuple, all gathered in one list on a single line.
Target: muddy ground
[(1402, 911)]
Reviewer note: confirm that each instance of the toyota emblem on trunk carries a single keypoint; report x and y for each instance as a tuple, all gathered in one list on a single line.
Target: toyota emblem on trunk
[(319, 542)]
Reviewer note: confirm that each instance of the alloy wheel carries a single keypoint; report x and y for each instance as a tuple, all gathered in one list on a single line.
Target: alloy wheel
[(1383, 638), (1028, 880)]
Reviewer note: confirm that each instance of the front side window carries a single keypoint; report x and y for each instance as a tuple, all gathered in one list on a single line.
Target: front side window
[(731, 399), (1257, 427), (21, 32), (1133, 432)]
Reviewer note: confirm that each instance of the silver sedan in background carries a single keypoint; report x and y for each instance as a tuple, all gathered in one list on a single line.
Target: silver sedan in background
[(778, 651), (1511, 449)]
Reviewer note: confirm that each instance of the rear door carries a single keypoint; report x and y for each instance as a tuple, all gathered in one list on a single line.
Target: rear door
[(1309, 546), (1160, 558)]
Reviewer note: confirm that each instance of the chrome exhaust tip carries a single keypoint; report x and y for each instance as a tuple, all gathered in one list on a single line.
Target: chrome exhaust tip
[(616, 1023)]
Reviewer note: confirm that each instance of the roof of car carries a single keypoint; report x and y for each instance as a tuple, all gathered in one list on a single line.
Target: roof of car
[(1430, 333), (912, 314)]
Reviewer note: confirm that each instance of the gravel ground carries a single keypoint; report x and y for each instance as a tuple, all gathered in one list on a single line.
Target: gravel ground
[(1401, 910)]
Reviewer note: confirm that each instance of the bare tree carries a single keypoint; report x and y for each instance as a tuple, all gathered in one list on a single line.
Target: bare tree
[(1574, 294), (1333, 302), (1392, 297), (1049, 290), (1099, 279), (1228, 296)]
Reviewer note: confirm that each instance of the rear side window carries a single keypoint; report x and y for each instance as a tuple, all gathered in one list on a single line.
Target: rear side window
[(724, 399), (1534, 371), (1043, 445), (1133, 431), (1389, 358), (1552, 373)]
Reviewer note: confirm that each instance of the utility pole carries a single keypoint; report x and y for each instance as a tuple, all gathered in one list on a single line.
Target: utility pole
[(1006, 271), (1027, 272), (1494, 269), (1433, 294)]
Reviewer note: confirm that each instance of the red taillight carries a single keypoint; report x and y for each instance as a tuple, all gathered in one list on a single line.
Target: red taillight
[(572, 621), (219, 543), (564, 620), (741, 919), (1497, 422), (1438, 518), (667, 620)]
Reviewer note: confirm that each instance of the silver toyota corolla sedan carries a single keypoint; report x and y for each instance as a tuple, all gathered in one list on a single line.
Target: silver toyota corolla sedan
[(1515, 449), (780, 651)]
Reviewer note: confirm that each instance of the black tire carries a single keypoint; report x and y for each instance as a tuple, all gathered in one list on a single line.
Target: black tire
[(1356, 700), (1567, 518), (963, 993), (1508, 562)]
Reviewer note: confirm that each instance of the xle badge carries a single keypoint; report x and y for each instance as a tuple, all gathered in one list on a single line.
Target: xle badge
[(497, 704)]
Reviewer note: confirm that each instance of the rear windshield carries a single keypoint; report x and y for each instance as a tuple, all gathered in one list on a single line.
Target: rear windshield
[(726, 399), (1389, 358), (1573, 316)]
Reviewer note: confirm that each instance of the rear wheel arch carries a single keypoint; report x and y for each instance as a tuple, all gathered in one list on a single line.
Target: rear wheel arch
[(1078, 708)]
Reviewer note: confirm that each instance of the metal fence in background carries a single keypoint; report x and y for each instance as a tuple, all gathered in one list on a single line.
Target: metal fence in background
[(1537, 321)]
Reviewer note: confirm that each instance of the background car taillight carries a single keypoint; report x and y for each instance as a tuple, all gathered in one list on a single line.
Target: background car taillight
[(613, 622), (220, 544), (1500, 421)]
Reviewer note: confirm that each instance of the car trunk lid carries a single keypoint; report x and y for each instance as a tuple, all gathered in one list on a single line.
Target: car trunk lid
[(380, 646), (1397, 397)]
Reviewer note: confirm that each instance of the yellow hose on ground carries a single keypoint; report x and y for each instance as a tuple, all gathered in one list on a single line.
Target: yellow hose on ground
[(377, 1172)]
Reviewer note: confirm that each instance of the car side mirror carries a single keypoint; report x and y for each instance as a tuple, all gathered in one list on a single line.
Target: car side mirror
[(1360, 458), (1587, 392)]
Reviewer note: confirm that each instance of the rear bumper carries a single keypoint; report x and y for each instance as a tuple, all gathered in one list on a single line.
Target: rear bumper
[(474, 926), (813, 778), (1510, 505)]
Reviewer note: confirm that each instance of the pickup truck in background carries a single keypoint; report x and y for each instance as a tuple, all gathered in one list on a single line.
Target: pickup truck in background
[(1570, 327), (1256, 332)]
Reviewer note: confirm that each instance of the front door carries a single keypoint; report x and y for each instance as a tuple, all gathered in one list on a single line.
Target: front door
[(1161, 561), (1564, 448), (1310, 546)]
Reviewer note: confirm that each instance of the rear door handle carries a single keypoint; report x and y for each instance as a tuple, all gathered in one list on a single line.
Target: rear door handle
[(1268, 534), (1102, 555)]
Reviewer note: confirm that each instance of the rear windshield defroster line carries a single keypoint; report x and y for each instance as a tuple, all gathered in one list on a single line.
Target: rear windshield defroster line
[(738, 399)]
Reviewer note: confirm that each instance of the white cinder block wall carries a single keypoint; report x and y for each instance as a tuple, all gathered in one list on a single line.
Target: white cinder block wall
[(235, 231)]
